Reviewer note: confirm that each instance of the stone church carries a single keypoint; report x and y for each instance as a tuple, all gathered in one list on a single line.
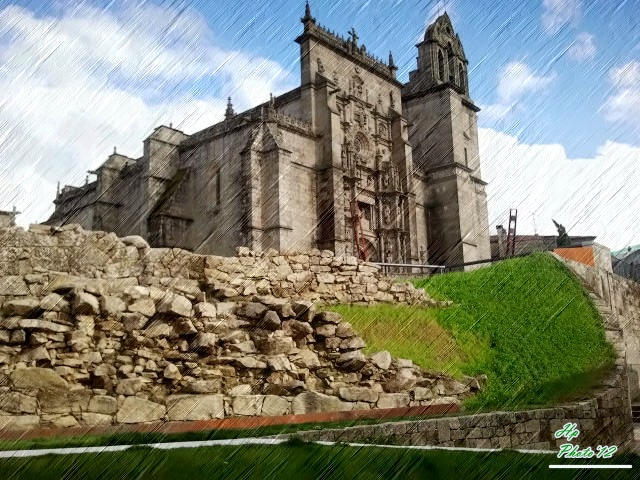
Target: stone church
[(352, 161)]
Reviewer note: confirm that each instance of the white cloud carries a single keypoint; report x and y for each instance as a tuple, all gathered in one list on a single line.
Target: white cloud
[(583, 48), (516, 80), (76, 84), (558, 13), (623, 105), (596, 196)]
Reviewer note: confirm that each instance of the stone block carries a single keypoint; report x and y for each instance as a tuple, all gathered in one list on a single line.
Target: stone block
[(358, 394), (95, 419), (85, 304), (312, 402), (23, 307), (274, 406), (144, 306), (382, 360), (247, 405), (15, 402), (139, 410), (393, 400), (194, 407), (19, 422)]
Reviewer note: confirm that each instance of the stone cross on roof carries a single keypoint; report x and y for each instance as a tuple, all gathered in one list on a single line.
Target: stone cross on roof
[(354, 36)]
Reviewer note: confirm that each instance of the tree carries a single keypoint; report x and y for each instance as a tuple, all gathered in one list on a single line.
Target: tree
[(563, 239)]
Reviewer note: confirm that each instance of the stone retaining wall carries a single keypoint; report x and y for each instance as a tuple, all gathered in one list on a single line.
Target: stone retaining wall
[(96, 330), (604, 420)]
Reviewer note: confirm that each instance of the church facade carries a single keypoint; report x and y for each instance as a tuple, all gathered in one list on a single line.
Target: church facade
[(352, 161)]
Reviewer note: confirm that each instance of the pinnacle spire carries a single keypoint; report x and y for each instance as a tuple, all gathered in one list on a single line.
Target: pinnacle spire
[(307, 15), (392, 64), (229, 112)]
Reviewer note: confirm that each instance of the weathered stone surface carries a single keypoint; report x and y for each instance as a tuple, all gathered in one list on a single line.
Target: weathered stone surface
[(250, 362), (253, 310), (312, 402), (305, 358), (352, 343), (422, 393), (194, 407), (279, 363), (54, 303), (304, 310), (144, 306), (404, 380), (135, 241), (175, 304), (345, 330), (274, 405), (133, 321), (204, 342), (13, 285), (37, 379), (95, 419), (14, 402), (19, 422), (326, 330), (327, 317), (110, 305), (248, 405), (273, 345), (138, 410), (85, 304), (296, 328), (382, 360), (129, 386), (21, 306), (44, 325), (204, 309), (351, 361), (270, 321), (393, 400), (204, 386), (103, 404), (358, 394), (171, 372)]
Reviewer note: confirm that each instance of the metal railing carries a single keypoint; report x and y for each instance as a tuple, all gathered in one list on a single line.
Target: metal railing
[(410, 268)]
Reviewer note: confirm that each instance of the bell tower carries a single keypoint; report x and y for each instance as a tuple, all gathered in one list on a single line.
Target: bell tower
[(450, 195)]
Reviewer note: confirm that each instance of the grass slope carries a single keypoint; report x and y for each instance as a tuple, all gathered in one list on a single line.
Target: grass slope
[(527, 323), (545, 338), (302, 461)]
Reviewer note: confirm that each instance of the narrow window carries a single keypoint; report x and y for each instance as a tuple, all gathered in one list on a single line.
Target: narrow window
[(440, 66), (466, 158), (218, 186), (461, 78)]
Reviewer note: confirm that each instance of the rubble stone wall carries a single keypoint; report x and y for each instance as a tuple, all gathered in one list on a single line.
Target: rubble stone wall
[(96, 330)]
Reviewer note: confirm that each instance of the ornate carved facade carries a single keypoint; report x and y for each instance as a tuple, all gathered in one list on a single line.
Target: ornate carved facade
[(352, 161)]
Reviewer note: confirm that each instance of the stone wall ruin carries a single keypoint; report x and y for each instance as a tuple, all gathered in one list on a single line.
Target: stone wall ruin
[(96, 330)]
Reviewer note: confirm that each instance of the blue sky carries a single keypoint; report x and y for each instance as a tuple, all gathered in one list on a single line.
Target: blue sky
[(558, 83)]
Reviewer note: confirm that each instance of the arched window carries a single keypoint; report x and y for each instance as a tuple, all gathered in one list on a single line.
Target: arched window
[(452, 65), (440, 66), (461, 79)]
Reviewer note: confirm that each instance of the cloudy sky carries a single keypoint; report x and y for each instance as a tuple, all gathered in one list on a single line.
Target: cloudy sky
[(558, 82)]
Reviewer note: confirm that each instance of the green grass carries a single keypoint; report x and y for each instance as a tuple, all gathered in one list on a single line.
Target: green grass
[(545, 339), (526, 323), (136, 438), (303, 461), (409, 332)]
